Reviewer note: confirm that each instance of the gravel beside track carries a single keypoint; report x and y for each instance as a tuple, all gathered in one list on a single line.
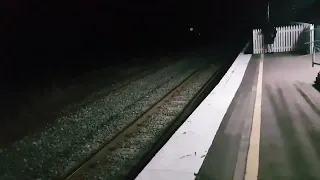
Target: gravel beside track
[(64, 145), (117, 163), (33, 108)]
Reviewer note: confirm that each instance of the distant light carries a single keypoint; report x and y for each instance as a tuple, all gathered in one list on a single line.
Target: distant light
[(191, 29), (199, 34)]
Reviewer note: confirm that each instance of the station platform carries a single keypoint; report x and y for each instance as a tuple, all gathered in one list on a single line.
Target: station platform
[(262, 121)]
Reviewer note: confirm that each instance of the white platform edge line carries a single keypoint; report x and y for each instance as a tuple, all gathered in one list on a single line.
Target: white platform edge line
[(159, 167)]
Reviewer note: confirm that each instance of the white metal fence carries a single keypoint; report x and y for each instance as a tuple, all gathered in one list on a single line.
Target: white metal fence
[(286, 40)]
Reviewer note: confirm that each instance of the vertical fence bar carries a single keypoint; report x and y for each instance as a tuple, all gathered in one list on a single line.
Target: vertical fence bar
[(261, 41), (290, 38), (287, 38), (275, 43), (311, 38), (280, 39), (253, 42), (295, 34)]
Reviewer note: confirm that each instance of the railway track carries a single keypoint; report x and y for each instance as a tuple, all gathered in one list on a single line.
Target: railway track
[(128, 79), (124, 155)]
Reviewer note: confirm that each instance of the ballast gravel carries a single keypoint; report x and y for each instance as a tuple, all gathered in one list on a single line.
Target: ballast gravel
[(146, 136), (76, 136)]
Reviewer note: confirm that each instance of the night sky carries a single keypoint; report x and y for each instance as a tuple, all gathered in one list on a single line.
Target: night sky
[(61, 35)]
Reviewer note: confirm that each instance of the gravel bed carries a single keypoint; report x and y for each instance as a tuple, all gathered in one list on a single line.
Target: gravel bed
[(138, 142), (160, 118), (114, 86), (146, 136), (118, 163), (76, 135), (129, 114)]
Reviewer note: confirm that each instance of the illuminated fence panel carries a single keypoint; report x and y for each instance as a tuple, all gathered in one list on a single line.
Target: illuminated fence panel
[(286, 40)]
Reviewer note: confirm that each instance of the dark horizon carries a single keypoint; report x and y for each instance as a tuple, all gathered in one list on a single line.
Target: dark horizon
[(49, 28), (58, 36)]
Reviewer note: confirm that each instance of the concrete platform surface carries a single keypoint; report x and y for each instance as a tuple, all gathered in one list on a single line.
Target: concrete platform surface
[(269, 131)]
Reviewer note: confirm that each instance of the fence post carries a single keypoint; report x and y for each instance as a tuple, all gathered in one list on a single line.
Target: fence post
[(254, 42), (262, 45), (311, 38)]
